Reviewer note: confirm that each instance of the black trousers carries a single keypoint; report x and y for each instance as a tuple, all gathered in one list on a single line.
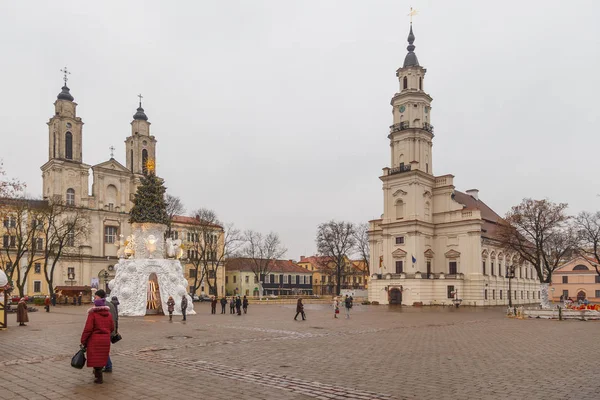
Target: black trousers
[(183, 310), (222, 308), (232, 310), (303, 315)]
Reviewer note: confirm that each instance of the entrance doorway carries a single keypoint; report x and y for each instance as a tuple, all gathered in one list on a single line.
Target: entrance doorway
[(153, 303), (581, 295), (395, 296)]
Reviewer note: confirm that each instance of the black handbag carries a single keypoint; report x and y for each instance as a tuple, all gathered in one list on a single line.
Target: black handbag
[(78, 360), (115, 338)]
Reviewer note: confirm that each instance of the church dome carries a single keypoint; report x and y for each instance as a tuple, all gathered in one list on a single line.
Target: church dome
[(65, 94), (411, 58), (140, 114)]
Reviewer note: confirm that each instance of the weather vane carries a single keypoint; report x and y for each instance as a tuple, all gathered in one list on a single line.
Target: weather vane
[(66, 72), (112, 151), (412, 13), (141, 97)]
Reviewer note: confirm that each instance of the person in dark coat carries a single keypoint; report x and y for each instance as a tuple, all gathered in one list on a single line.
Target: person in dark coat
[(232, 305), (96, 337), (238, 305), (184, 304), (79, 298), (47, 303), (223, 304), (300, 310), (53, 299), (170, 307), (213, 305), (114, 313), (245, 305), (22, 315)]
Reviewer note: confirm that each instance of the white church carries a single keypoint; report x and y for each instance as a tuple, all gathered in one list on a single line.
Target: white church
[(434, 244)]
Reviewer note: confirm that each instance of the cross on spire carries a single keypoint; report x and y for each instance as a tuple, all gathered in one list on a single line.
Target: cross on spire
[(66, 72), (112, 151), (412, 13), (141, 97)]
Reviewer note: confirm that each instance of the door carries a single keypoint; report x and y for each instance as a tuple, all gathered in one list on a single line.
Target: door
[(395, 296)]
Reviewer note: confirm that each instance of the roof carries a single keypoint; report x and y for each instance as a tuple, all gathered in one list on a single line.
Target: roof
[(246, 265), (589, 262), (65, 94), (318, 262), (411, 58), (182, 219), (489, 216)]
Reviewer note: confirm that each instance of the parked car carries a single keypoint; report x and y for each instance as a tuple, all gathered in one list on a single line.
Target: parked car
[(202, 297)]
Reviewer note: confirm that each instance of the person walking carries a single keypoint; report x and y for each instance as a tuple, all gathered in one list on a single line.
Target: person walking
[(22, 314), (223, 304), (238, 305), (245, 305), (80, 297), (300, 310), (336, 307), (232, 305), (47, 303), (348, 305), (170, 307), (213, 305), (53, 299), (184, 304), (115, 316), (96, 336)]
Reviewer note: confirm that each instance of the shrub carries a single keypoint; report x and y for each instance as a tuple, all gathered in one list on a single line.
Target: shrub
[(374, 303), (366, 303)]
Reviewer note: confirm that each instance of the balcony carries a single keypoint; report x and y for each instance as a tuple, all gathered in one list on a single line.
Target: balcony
[(402, 126), (398, 170)]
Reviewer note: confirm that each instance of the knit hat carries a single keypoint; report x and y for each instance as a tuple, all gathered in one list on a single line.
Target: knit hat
[(100, 293)]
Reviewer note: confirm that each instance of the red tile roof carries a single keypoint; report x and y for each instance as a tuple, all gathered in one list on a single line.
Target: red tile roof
[(247, 264), (489, 216), (182, 219)]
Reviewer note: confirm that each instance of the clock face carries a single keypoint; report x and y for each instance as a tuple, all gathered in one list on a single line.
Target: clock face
[(402, 109), (69, 125)]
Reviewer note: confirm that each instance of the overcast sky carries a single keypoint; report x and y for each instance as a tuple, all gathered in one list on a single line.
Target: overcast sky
[(275, 113)]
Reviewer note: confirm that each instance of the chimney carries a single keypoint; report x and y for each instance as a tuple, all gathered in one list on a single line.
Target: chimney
[(302, 258), (474, 193), (198, 215)]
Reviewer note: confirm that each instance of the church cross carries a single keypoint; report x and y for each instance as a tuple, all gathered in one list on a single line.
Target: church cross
[(112, 151), (412, 13), (66, 72), (141, 97)]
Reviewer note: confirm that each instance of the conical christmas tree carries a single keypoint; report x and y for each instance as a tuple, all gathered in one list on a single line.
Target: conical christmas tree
[(149, 202)]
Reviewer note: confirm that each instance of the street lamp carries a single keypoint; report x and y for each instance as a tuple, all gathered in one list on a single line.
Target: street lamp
[(71, 277), (510, 274)]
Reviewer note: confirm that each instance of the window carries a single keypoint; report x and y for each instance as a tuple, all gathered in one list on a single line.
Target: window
[(193, 273), (68, 146), (565, 279), (247, 279), (70, 197), (5, 241), (521, 295), (450, 291), (211, 274), (420, 83), (400, 240), (13, 241), (226, 280), (492, 269), (493, 294), (71, 271), (528, 295), (597, 279), (597, 293), (272, 278), (191, 289), (144, 161), (581, 268), (70, 239), (428, 268), (405, 83), (399, 267), (234, 279), (399, 209), (37, 286), (110, 234), (111, 207), (483, 267), (131, 158), (39, 244), (37, 268), (485, 294), (453, 267), (499, 269), (297, 279), (277, 279), (174, 235), (500, 294), (255, 279)]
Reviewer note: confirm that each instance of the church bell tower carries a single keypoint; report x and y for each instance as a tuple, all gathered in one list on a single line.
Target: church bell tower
[(140, 146)]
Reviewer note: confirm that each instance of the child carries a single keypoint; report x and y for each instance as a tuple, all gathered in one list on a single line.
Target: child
[(171, 307)]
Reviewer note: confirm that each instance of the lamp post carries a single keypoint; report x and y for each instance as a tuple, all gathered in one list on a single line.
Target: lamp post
[(510, 274), (71, 277)]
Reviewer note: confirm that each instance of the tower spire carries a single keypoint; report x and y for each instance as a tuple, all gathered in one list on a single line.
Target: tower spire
[(140, 114), (65, 94), (411, 58)]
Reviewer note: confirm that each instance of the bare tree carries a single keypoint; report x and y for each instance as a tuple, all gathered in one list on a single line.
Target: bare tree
[(262, 251), (334, 240), (361, 247), (174, 207), (540, 233), (9, 188), (209, 245), (588, 230)]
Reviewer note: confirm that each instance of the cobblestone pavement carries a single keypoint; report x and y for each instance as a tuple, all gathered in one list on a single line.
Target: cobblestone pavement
[(379, 353)]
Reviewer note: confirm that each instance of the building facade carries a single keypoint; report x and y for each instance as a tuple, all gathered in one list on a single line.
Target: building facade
[(576, 280), (354, 274), (433, 243)]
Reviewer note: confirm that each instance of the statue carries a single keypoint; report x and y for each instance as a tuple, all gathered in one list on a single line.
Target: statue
[(174, 248), (121, 247), (129, 246)]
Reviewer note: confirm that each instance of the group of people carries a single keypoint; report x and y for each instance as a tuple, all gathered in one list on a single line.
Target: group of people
[(347, 303), (236, 305)]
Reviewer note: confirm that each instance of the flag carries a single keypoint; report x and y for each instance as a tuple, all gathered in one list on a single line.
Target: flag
[(414, 260)]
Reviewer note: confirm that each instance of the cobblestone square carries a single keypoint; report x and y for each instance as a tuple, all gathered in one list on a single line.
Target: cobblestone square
[(379, 353)]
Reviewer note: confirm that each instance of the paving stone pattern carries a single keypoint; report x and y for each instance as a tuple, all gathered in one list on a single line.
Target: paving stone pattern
[(379, 353)]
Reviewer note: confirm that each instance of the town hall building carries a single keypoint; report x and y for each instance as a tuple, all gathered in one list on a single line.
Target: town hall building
[(434, 243)]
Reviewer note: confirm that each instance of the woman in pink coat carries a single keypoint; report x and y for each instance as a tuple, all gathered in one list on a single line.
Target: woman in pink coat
[(96, 337)]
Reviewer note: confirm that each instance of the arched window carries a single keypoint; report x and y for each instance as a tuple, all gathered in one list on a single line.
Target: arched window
[(399, 209), (581, 268), (405, 83), (68, 146), (131, 158), (420, 83), (144, 161), (70, 197), (54, 145)]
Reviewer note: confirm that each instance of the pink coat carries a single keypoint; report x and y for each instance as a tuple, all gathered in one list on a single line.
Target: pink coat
[(96, 336)]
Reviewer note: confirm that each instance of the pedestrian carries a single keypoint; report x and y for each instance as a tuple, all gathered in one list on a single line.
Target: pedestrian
[(223, 304), (22, 314), (348, 305), (74, 300), (184, 304), (66, 300), (232, 305), (80, 297), (96, 336), (171, 307), (53, 299), (238, 305), (213, 305), (300, 310), (47, 303), (245, 305), (336, 307)]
